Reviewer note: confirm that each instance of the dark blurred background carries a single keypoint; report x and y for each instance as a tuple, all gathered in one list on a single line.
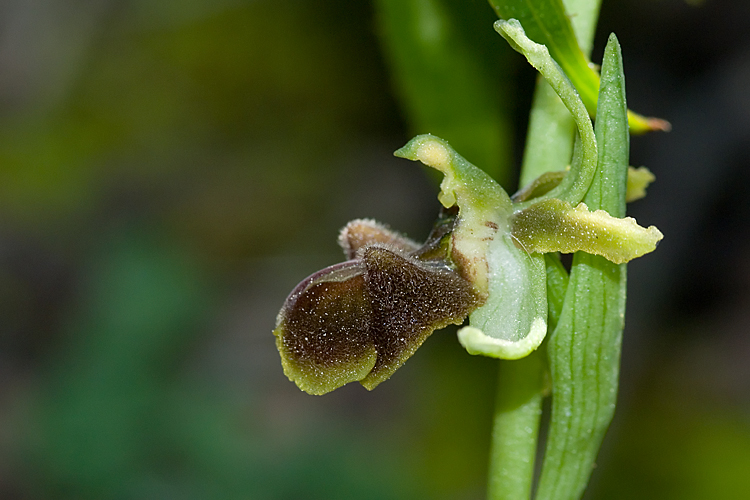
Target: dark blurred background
[(170, 170)]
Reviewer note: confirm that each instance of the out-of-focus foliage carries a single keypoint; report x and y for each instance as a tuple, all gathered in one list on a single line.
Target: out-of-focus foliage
[(169, 171), (156, 207), (192, 108), (451, 77)]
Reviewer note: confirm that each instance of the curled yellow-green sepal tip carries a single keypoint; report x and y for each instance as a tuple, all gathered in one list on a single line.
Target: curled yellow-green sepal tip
[(554, 226)]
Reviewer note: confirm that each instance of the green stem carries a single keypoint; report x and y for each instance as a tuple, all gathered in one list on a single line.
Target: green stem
[(549, 146), (522, 385), (516, 427)]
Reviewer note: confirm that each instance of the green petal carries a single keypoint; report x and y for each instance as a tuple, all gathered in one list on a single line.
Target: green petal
[(555, 226), (638, 180), (539, 186)]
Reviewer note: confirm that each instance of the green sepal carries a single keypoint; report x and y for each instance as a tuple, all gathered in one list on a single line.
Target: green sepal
[(574, 185), (513, 321)]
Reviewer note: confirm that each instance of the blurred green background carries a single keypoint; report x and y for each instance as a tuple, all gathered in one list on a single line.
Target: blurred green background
[(170, 170)]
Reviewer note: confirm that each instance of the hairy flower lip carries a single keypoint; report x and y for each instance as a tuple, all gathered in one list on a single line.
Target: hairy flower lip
[(359, 320)]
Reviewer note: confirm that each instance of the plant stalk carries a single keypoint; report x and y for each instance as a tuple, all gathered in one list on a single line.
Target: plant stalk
[(516, 427), (521, 388)]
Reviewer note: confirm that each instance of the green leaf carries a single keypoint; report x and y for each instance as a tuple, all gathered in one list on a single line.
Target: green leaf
[(583, 15), (547, 23), (584, 349), (449, 76), (557, 284)]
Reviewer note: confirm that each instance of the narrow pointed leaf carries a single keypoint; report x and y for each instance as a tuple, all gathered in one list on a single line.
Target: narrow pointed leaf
[(584, 349)]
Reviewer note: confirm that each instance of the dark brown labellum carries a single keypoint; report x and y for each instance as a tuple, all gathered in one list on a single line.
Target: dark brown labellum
[(361, 319)]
